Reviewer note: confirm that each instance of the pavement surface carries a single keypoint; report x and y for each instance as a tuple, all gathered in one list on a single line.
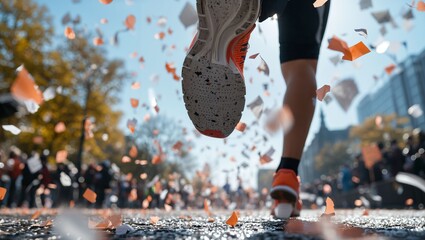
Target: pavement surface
[(140, 224)]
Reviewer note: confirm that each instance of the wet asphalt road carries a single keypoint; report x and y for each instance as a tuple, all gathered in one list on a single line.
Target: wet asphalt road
[(346, 224)]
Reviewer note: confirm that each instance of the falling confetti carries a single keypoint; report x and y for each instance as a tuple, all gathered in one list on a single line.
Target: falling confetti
[(69, 33), (90, 196), (233, 220), (321, 92), (319, 3), (105, 1)]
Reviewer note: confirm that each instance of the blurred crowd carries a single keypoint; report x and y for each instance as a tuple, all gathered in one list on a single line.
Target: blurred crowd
[(396, 156), (31, 181)]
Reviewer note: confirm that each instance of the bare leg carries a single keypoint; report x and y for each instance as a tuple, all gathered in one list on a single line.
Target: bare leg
[(300, 97)]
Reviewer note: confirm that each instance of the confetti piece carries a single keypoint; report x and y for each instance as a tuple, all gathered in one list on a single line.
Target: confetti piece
[(241, 126), (116, 220), (133, 152), (321, 92), (36, 215), (329, 210), (365, 4), (103, 21), (134, 102), (254, 56), (361, 31), (420, 6), (350, 53), (156, 159), (389, 69), (415, 111), (130, 21), (2, 193), (256, 107), (98, 41), (154, 220), (319, 3), (264, 67), (206, 207), (90, 196), (135, 85), (105, 1), (345, 92), (25, 88), (177, 146), (12, 129), (69, 33), (159, 36), (211, 220), (233, 220)]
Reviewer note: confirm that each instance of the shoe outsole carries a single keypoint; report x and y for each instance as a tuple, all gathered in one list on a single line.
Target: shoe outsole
[(214, 93)]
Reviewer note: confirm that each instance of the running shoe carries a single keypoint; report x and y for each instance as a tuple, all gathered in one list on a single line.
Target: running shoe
[(285, 191), (213, 81)]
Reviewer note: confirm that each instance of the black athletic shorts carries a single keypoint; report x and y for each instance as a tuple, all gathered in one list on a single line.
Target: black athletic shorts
[(301, 27)]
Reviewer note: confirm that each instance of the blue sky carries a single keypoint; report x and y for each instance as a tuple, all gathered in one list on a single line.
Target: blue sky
[(345, 16)]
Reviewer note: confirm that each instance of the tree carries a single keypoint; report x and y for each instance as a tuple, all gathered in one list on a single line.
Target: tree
[(88, 79), (380, 129), (331, 157), (165, 132)]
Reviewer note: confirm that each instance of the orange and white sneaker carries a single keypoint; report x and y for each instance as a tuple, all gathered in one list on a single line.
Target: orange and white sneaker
[(285, 191), (213, 82)]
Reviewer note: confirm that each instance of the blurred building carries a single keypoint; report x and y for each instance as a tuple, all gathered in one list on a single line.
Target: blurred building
[(402, 90), (307, 170)]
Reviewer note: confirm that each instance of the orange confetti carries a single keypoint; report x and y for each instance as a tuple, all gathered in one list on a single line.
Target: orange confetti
[(130, 21), (265, 159), (105, 1), (133, 152), (233, 220), (135, 85), (90, 196), (206, 207), (36, 215), (159, 36), (421, 6), (329, 210), (241, 126), (389, 69), (134, 102), (116, 220), (98, 41), (69, 33), (350, 53), (321, 92), (177, 146), (25, 88), (102, 224), (211, 220), (103, 21), (154, 220), (156, 159), (2, 193)]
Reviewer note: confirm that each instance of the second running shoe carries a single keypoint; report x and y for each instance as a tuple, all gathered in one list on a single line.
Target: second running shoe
[(213, 81)]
